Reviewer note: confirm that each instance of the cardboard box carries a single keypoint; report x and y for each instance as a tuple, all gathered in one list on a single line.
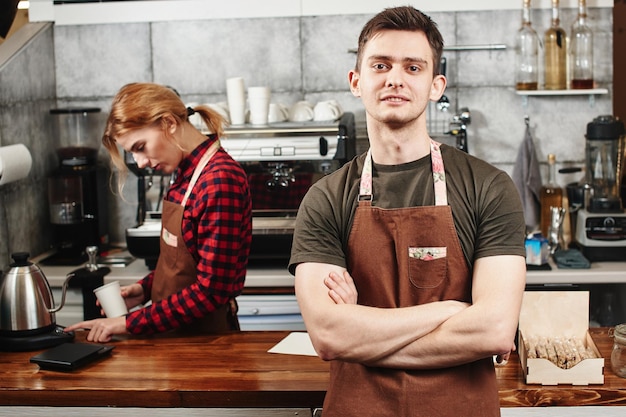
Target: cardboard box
[(554, 314)]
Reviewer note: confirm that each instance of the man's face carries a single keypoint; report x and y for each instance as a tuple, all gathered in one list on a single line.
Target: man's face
[(396, 78)]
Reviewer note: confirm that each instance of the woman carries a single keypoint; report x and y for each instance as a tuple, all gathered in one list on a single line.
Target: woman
[(206, 217)]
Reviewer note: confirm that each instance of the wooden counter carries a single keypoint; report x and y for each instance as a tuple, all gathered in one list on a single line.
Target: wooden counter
[(235, 370)]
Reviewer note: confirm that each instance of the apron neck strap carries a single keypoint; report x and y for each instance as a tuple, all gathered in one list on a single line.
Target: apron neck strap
[(439, 176), (206, 157)]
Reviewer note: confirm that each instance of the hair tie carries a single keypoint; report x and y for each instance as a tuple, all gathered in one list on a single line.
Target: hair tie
[(190, 111)]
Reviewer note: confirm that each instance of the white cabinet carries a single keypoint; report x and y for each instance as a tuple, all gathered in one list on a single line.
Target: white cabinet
[(269, 312)]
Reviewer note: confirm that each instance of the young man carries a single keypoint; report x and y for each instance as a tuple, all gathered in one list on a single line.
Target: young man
[(409, 261)]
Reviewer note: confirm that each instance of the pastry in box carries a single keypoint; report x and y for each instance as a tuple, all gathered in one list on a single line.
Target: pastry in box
[(554, 344)]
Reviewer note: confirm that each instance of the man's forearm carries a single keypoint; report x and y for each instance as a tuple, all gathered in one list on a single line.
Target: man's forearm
[(368, 334), (460, 339)]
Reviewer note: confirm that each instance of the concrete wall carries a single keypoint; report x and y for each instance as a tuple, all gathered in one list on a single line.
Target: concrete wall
[(27, 92)]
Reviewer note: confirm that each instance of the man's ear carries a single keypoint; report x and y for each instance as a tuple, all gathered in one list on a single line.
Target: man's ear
[(353, 79), (437, 87)]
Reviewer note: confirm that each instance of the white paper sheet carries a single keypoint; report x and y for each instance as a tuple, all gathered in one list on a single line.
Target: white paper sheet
[(296, 343)]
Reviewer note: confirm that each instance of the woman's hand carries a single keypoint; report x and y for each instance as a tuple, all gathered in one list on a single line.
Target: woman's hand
[(133, 295), (341, 288), (101, 330)]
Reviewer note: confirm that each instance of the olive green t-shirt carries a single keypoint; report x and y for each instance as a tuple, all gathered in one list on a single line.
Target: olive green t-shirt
[(485, 205)]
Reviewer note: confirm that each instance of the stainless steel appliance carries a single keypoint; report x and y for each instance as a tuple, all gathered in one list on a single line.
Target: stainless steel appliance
[(601, 222), (282, 161), (77, 189), (27, 310)]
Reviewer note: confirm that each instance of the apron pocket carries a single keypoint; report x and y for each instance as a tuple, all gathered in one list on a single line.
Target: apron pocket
[(428, 266), (169, 248), (170, 239)]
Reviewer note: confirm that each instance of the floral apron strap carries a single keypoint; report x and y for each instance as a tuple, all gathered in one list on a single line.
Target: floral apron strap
[(439, 176)]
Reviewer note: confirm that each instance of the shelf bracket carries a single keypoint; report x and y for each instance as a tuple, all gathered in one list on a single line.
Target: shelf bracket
[(592, 100), (524, 101)]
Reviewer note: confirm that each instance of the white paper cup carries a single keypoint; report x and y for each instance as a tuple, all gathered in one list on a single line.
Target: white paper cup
[(236, 96), (111, 300), (259, 103)]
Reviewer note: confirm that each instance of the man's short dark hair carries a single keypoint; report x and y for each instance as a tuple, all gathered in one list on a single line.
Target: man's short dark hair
[(405, 18)]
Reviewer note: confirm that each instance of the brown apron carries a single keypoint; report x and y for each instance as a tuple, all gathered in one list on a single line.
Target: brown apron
[(177, 269), (419, 246)]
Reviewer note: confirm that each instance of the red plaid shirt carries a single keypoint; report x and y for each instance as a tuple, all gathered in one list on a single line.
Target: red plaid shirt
[(217, 229)]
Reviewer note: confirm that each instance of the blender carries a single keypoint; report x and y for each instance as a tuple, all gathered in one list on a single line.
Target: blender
[(601, 222)]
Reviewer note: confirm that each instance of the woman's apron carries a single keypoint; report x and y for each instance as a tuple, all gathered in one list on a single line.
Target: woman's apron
[(176, 268), (418, 259)]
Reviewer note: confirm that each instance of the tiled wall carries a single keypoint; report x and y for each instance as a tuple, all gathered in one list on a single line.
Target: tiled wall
[(27, 92), (309, 58)]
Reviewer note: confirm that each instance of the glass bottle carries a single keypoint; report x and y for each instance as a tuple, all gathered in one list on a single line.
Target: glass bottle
[(526, 53), (551, 196), (581, 47), (555, 62), (618, 354)]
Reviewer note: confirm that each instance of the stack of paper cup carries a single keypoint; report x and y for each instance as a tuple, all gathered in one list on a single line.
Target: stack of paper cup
[(236, 94), (259, 101)]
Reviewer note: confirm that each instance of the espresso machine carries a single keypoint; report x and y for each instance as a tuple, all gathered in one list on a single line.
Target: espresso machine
[(281, 162), (77, 189), (601, 222)]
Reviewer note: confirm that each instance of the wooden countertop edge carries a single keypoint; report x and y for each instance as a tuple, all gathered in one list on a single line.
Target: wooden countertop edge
[(539, 396), (306, 389), (543, 396), (92, 398), (166, 399)]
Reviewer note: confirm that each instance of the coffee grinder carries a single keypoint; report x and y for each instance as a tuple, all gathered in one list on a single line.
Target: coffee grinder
[(601, 222), (77, 189)]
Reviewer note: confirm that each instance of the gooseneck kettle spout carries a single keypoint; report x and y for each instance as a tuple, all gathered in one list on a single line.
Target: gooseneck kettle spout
[(68, 278)]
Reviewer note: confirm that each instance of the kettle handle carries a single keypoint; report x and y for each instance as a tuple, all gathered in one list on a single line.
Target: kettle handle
[(63, 292)]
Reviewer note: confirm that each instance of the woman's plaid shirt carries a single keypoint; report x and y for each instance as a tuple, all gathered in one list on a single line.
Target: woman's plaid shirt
[(217, 229)]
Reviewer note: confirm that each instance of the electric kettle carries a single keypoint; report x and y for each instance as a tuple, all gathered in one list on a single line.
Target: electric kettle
[(27, 310)]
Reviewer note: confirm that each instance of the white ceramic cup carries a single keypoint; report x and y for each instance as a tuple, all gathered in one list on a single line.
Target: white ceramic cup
[(259, 104), (302, 111), (277, 113), (327, 110), (111, 300), (236, 95)]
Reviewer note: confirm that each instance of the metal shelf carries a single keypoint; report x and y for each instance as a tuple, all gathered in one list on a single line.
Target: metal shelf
[(591, 92)]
